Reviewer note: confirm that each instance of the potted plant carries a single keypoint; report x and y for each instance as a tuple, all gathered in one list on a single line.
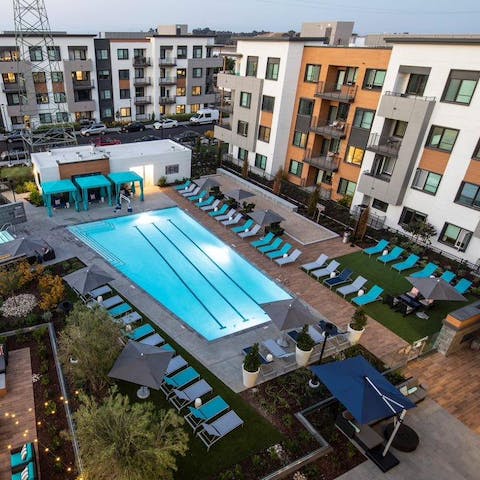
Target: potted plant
[(251, 367), (304, 347), (357, 326)]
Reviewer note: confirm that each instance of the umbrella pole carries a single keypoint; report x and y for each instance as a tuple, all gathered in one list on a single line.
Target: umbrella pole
[(397, 422), (282, 341)]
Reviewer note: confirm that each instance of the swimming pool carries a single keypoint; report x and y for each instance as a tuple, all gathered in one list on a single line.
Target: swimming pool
[(186, 268)]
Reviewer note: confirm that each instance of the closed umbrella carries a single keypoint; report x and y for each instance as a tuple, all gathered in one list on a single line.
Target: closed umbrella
[(142, 364), (87, 279), (436, 289), (238, 194), (265, 217), (206, 183)]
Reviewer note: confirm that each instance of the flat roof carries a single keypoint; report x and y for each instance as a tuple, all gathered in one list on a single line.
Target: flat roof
[(465, 39), (281, 39), (11, 33), (85, 153)]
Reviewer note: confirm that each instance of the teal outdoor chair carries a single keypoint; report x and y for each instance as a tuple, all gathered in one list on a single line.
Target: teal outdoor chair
[(200, 195), (273, 246), (242, 228), (371, 296), (206, 202), (378, 248), (427, 271), (263, 241), (448, 276), (220, 211), (390, 257), (196, 416), (183, 186), (141, 331), (20, 459), (280, 253), (410, 262), (463, 285)]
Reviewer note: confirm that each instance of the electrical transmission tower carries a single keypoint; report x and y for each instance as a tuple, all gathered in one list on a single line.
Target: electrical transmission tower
[(39, 70)]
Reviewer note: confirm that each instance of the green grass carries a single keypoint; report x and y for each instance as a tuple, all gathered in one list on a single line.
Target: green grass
[(411, 327)]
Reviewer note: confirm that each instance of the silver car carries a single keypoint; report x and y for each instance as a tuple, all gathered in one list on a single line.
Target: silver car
[(94, 129)]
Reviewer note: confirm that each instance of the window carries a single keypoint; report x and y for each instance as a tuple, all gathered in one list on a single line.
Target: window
[(379, 205), (62, 117), (410, 216), (9, 78), (268, 103), (300, 139), (476, 152), (312, 73), (456, 237), (79, 53), (426, 181), (181, 73), (9, 54), (197, 51), (363, 118), (139, 73), (125, 112), (17, 120), (252, 66), (242, 128), (57, 77), (124, 74), (305, 106), (242, 154), (245, 99), (38, 77), (346, 187), (80, 76), (59, 97), (102, 54), (416, 84), (196, 91), (469, 195), (140, 110), (14, 99), (124, 93), (181, 92), (273, 65), (45, 117), (264, 133), (172, 169), (261, 161), (180, 109), (194, 108), (197, 72), (107, 113), (374, 79), (103, 74), (182, 51), (36, 54), (54, 54), (355, 155), (42, 98), (347, 77), (295, 168), (122, 53), (399, 128), (105, 94), (460, 86), (442, 138)]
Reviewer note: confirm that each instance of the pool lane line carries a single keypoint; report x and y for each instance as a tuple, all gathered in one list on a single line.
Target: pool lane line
[(201, 273), (180, 278)]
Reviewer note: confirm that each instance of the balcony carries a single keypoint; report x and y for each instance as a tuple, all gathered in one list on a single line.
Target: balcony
[(167, 61), (142, 100), (143, 117), (167, 100), (142, 81), (384, 145), (12, 87), (377, 175), (225, 108), (336, 92), (167, 80), (407, 95), (141, 62), (225, 124), (83, 84), (328, 162), (328, 128)]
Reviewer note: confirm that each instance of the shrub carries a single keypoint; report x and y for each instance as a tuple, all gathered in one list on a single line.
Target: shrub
[(162, 182), (305, 341), (52, 290), (359, 320), (35, 198), (251, 363), (345, 201)]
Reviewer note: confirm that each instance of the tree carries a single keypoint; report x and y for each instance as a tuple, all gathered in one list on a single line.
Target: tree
[(90, 339), (362, 224), (128, 441), (421, 231), (277, 182), (229, 64), (52, 290), (245, 168), (312, 202)]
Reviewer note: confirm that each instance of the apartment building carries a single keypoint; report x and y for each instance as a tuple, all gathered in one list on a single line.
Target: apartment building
[(71, 83), (336, 96), (423, 155)]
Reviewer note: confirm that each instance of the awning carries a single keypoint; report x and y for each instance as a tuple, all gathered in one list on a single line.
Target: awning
[(56, 188), (121, 178), (93, 181)]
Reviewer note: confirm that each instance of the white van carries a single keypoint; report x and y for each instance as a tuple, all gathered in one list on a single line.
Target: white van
[(205, 115)]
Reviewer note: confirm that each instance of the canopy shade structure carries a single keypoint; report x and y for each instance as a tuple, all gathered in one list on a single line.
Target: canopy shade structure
[(87, 279), (94, 181), (122, 178), (56, 188), (23, 247), (206, 183), (238, 194), (436, 289), (265, 217)]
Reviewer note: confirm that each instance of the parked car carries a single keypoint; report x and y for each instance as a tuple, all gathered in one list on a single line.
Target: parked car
[(147, 138), (165, 123), (188, 136), (106, 141), (133, 127), (14, 136), (205, 115), (14, 157), (94, 129)]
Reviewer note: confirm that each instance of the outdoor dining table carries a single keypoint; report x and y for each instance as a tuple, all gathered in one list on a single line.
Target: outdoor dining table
[(409, 301)]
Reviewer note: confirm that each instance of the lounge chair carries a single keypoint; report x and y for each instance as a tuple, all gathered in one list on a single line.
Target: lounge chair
[(182, 398), (154, 339), (289, 258), (100, 291), (111, 302), (191, 190), (263, 360), (245, 227), (221, 211), (210, 433), (213, 206), (20, 459), (140, 332), (410, 262), (354, 287), (317, 337), (378, 248), (371, 296), (176, 363), (393, 255), (228, 215), (448, 276), (250, 233), (428, 270), (179, 380), (119, 310), (183, 186), (463, 285), (263, 241), (206, 202), (168, 348), (232, 221), (318, 263), (286, 247), (343, 277), (198, 196), (30, 468), (270, 248), (214, 407), (276, 350), (323, 272), (130, 318)]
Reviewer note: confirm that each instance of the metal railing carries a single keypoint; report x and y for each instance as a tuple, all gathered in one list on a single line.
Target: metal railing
[(142, 117), (141, 61), (374, 220), (13, 87), (142, 81), (224, 124), (329, 128), (83, 84), (408, 95), (335, 91), (167, 80), (143, 100), (384, 145), (167, 100), (167, 61), (226, 108), (328, 162)]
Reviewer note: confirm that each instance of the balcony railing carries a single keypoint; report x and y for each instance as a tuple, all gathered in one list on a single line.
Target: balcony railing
[(328, 162), (142, 81), (225, 124), (83, 84), (163, 62), (167, 100), (384, 145), (12, 87), (408, 95), (378, 175), (226, 108), (141, 62), (167, 80), (143, 100), (335, 91), (328, 128), (143, 117)]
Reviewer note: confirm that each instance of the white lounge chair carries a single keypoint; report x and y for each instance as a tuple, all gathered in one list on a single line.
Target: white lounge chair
[(213, 206), (195, 191), (182, 398), (211, 433), (323, 272), (353, 287), (227, 216), (188, 189), (318, 263), (251, 233), (232, 221), (289, 258)]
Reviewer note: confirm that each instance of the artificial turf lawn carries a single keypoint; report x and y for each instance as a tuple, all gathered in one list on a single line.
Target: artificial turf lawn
[(411, 327)]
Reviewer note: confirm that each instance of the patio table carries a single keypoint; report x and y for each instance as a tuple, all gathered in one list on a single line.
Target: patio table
[(410, 302)]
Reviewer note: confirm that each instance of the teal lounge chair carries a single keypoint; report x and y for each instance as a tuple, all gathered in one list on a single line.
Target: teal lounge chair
[(183, 186), (263, 241), (179, 380), (220, 211), (463, 285), (242, 228), (280, 253), (428, 270), (448, 276), (378, 248), (273, 246), (393, 255), (196, 416), (30, 468), (16, 461), (140, 332), (200, 195), (121, 309), (371, 296), (206, 202), (111, 302), (181, 398), (410, 262)]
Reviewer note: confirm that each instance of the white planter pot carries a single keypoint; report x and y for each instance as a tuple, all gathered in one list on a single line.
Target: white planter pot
[(250, 378), (302, 357), (354, 335)]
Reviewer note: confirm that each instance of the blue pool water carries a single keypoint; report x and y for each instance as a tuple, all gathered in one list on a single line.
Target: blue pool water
[(186, 268)]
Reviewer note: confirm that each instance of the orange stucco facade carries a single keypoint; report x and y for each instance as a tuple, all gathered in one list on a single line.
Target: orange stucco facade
[(332, 60)]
